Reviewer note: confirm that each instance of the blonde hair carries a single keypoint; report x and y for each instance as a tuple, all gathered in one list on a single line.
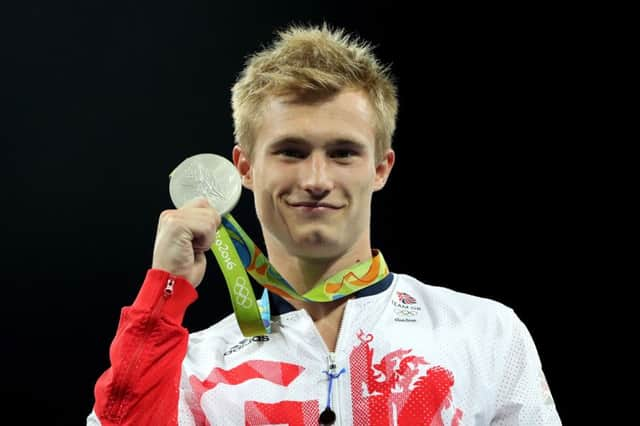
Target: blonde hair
[(313, 62)]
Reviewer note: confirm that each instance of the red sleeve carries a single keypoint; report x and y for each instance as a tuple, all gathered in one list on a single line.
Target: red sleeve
[(142, 385)]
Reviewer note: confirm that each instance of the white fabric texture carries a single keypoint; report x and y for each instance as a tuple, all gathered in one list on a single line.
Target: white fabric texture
[(413, 354)]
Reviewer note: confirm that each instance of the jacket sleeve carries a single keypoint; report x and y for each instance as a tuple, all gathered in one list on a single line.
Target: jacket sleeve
[(523, 396), (141, 387)]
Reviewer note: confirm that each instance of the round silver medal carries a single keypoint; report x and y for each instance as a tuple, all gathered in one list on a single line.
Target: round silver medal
[(206, 175)]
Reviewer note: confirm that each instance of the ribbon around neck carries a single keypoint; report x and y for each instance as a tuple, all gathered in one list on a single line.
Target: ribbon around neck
[(237, 254)]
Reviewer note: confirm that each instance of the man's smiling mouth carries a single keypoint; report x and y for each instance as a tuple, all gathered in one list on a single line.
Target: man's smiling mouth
[(314, 206)]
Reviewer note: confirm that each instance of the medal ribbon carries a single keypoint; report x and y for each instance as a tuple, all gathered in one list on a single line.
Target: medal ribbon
[(237, 254)]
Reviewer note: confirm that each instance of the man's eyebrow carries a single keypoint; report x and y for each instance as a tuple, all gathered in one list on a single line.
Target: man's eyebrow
[(288, 141), (336, 143), (347, 143)]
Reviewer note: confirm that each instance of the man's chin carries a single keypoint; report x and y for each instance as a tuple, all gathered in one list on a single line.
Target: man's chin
[(315, 247)]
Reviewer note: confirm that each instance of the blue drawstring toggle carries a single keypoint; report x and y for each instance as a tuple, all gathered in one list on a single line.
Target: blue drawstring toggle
[(328, 417)]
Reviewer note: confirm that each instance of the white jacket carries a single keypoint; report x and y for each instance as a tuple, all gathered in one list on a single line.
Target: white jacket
[(412, 354)]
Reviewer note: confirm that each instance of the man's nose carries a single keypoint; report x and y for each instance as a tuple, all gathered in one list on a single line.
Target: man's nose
[(315, 176)]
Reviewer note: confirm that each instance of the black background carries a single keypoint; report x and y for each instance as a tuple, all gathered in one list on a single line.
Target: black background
[(106, 98)]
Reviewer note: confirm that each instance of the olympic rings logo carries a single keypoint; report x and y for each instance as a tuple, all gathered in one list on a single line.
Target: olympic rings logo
[(405, 312), (241, 292)]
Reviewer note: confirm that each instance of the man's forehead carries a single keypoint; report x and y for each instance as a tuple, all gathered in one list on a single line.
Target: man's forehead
[(317, 98), (288, 117)]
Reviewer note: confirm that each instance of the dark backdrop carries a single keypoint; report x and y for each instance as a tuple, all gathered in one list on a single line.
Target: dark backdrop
[(106, 98)]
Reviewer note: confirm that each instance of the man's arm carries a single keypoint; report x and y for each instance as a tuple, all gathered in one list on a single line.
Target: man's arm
[(523, 396), (142, 385)]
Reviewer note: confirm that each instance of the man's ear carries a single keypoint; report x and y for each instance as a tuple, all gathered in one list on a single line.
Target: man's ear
[(242, 163), (383, 169)]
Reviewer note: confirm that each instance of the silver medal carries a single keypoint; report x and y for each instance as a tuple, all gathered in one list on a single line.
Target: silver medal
[(206, 175)]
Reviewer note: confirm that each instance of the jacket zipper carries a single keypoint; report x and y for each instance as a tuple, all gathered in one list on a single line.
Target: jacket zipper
[(328, 414), (337, 408), (336, 403), (120, 394)]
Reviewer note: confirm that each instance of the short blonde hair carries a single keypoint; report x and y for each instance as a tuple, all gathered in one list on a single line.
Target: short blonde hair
[(317, 62)]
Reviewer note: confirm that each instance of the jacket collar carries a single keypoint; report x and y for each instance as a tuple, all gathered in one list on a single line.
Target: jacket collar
[(279, 305)]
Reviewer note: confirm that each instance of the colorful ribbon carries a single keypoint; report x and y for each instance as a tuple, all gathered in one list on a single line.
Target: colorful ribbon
[(237, 254)]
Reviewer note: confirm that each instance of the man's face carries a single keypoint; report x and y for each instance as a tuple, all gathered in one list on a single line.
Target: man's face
[(313, 173)]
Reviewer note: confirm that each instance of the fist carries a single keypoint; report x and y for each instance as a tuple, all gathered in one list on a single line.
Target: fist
[(183, 237)]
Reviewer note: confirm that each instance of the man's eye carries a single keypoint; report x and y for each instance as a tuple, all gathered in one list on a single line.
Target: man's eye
[(291, 153), (343, 153)]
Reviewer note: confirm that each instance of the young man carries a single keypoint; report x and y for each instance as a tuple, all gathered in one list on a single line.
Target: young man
[(314, 116)]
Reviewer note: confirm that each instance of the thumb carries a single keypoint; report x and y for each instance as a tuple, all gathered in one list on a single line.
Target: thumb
[(200, 201)]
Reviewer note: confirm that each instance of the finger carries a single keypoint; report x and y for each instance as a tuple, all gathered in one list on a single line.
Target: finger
[(203, 226), (201, 205), (197, 202)]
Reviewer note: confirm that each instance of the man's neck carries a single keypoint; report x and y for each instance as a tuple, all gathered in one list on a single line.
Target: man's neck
[(304, 273)]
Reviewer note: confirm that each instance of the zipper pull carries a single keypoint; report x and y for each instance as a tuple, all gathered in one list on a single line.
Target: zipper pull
[(168, 288), (328, 416), (332, 362)]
